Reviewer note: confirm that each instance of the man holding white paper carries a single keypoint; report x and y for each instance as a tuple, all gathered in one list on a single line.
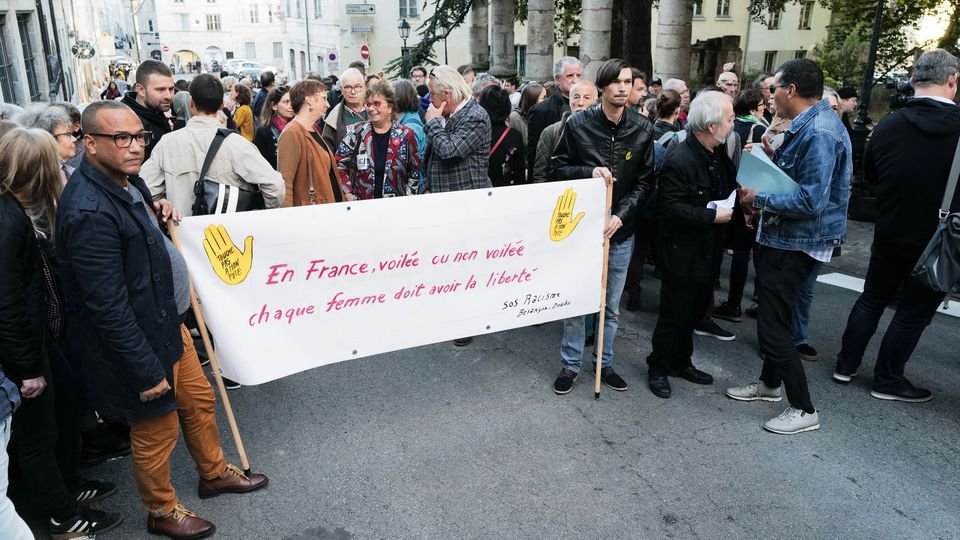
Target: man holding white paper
[(697, 175), (796, 230)]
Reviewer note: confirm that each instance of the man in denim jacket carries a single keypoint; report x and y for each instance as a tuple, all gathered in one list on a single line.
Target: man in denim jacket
[(796, 230)]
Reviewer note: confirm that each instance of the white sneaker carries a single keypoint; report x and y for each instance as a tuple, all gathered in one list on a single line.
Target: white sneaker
[(754, 392), (793, 421)]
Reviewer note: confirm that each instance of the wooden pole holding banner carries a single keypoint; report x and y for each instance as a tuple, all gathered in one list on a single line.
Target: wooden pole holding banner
[(603, 296), (214, 363)]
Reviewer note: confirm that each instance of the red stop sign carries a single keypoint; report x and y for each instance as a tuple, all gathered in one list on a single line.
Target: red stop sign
[(364, 52), (166, 48)]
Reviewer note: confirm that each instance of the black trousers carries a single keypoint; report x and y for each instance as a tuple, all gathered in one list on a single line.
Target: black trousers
[(779, 275), (46, 439), (889, 270), (683, 303)]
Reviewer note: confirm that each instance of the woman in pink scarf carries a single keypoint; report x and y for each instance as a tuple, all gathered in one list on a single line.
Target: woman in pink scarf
[(276, 112)]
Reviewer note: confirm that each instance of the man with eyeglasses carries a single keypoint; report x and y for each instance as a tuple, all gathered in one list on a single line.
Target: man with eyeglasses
[(349, 111), (796, 232), (126, 289), (151, 100)]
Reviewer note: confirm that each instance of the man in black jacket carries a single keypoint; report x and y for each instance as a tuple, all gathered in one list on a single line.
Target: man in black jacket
[(614, 143), (127, 290), (690, 237), (151, 100), (908, 159), (567, 71)]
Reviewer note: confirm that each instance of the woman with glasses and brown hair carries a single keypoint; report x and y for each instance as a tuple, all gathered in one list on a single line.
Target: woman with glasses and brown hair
[(304, 158), (379, 158), (276, 114)]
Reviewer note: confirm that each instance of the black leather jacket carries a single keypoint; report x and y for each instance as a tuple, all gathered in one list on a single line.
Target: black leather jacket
[(591, 140)]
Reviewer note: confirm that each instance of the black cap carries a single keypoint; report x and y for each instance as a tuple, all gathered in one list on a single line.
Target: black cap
[(656, 80)]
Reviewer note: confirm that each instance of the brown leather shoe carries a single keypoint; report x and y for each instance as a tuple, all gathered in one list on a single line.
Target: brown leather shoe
[(181, 524), (232, 481)]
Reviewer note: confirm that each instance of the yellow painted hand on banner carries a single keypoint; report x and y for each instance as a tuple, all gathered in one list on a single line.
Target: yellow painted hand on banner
[(231, 264), (561, 225)]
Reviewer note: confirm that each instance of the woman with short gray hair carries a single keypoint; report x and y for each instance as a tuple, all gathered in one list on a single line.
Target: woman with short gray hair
[(55, 121)]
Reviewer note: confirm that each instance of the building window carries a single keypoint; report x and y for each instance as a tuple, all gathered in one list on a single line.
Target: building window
[(303, 63), (409, 9), (8, 73), (520, 58), (806, 10), (769, 60), (317, 9), (277, 49), (177, 1), (270, 14), (183, 19), (213, 23), (800, 54), (299, 11), (293, 65), (254, 13), (211, 1), (150, 25), (723, 8), (698, 8), (773, 21), (251, 49), (29, 58)]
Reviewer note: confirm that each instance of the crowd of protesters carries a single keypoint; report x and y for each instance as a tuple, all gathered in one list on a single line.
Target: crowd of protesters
[(96, 336)]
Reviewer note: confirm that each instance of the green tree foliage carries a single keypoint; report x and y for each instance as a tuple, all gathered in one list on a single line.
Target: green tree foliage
[(844, 61), (853, 22), (451, 12)]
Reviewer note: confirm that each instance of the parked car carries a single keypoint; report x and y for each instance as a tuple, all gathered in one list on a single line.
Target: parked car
[(253, 69)]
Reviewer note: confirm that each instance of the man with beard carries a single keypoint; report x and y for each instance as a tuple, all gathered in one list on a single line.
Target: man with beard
[(151, 100), (616, 144), (695, 172)]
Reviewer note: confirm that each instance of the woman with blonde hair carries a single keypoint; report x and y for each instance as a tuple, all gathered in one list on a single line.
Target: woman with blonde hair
[(31, 330), (304, 159)]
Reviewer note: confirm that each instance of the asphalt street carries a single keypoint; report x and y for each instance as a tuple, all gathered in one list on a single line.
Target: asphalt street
[(445, 442)]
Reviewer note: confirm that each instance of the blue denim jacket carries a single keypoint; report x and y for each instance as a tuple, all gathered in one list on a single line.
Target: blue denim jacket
[(816, 154)]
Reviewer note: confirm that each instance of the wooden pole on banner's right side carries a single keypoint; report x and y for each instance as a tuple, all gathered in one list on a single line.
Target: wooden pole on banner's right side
[(603, 296), (214, 363)]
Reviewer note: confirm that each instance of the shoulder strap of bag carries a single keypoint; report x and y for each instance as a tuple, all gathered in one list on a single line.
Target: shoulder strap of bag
[(951, 184), (218, 139), (500, 140)]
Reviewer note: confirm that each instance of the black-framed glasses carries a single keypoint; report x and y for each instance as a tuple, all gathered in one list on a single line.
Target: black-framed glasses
[(773, 87), (67, 134), (353, 89), (123, 140)]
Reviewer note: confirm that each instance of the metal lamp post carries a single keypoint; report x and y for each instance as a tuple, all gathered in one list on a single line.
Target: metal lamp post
[(862, 203), (404, 29), (444, 29)]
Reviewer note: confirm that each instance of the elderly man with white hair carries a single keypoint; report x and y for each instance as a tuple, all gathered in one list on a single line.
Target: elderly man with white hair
[(567, 71), (680, 87), (349, 111), (458, 135), (583, 95), (696, 171)]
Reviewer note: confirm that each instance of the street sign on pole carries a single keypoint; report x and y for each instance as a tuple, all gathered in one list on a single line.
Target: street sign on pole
[(365, 52), (361, 9)]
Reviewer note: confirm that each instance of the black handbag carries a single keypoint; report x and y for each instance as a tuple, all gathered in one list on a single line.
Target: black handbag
[(939, 265), (212, 197)]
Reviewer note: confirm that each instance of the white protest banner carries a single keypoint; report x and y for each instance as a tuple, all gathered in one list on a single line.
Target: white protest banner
[(287, 290)]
